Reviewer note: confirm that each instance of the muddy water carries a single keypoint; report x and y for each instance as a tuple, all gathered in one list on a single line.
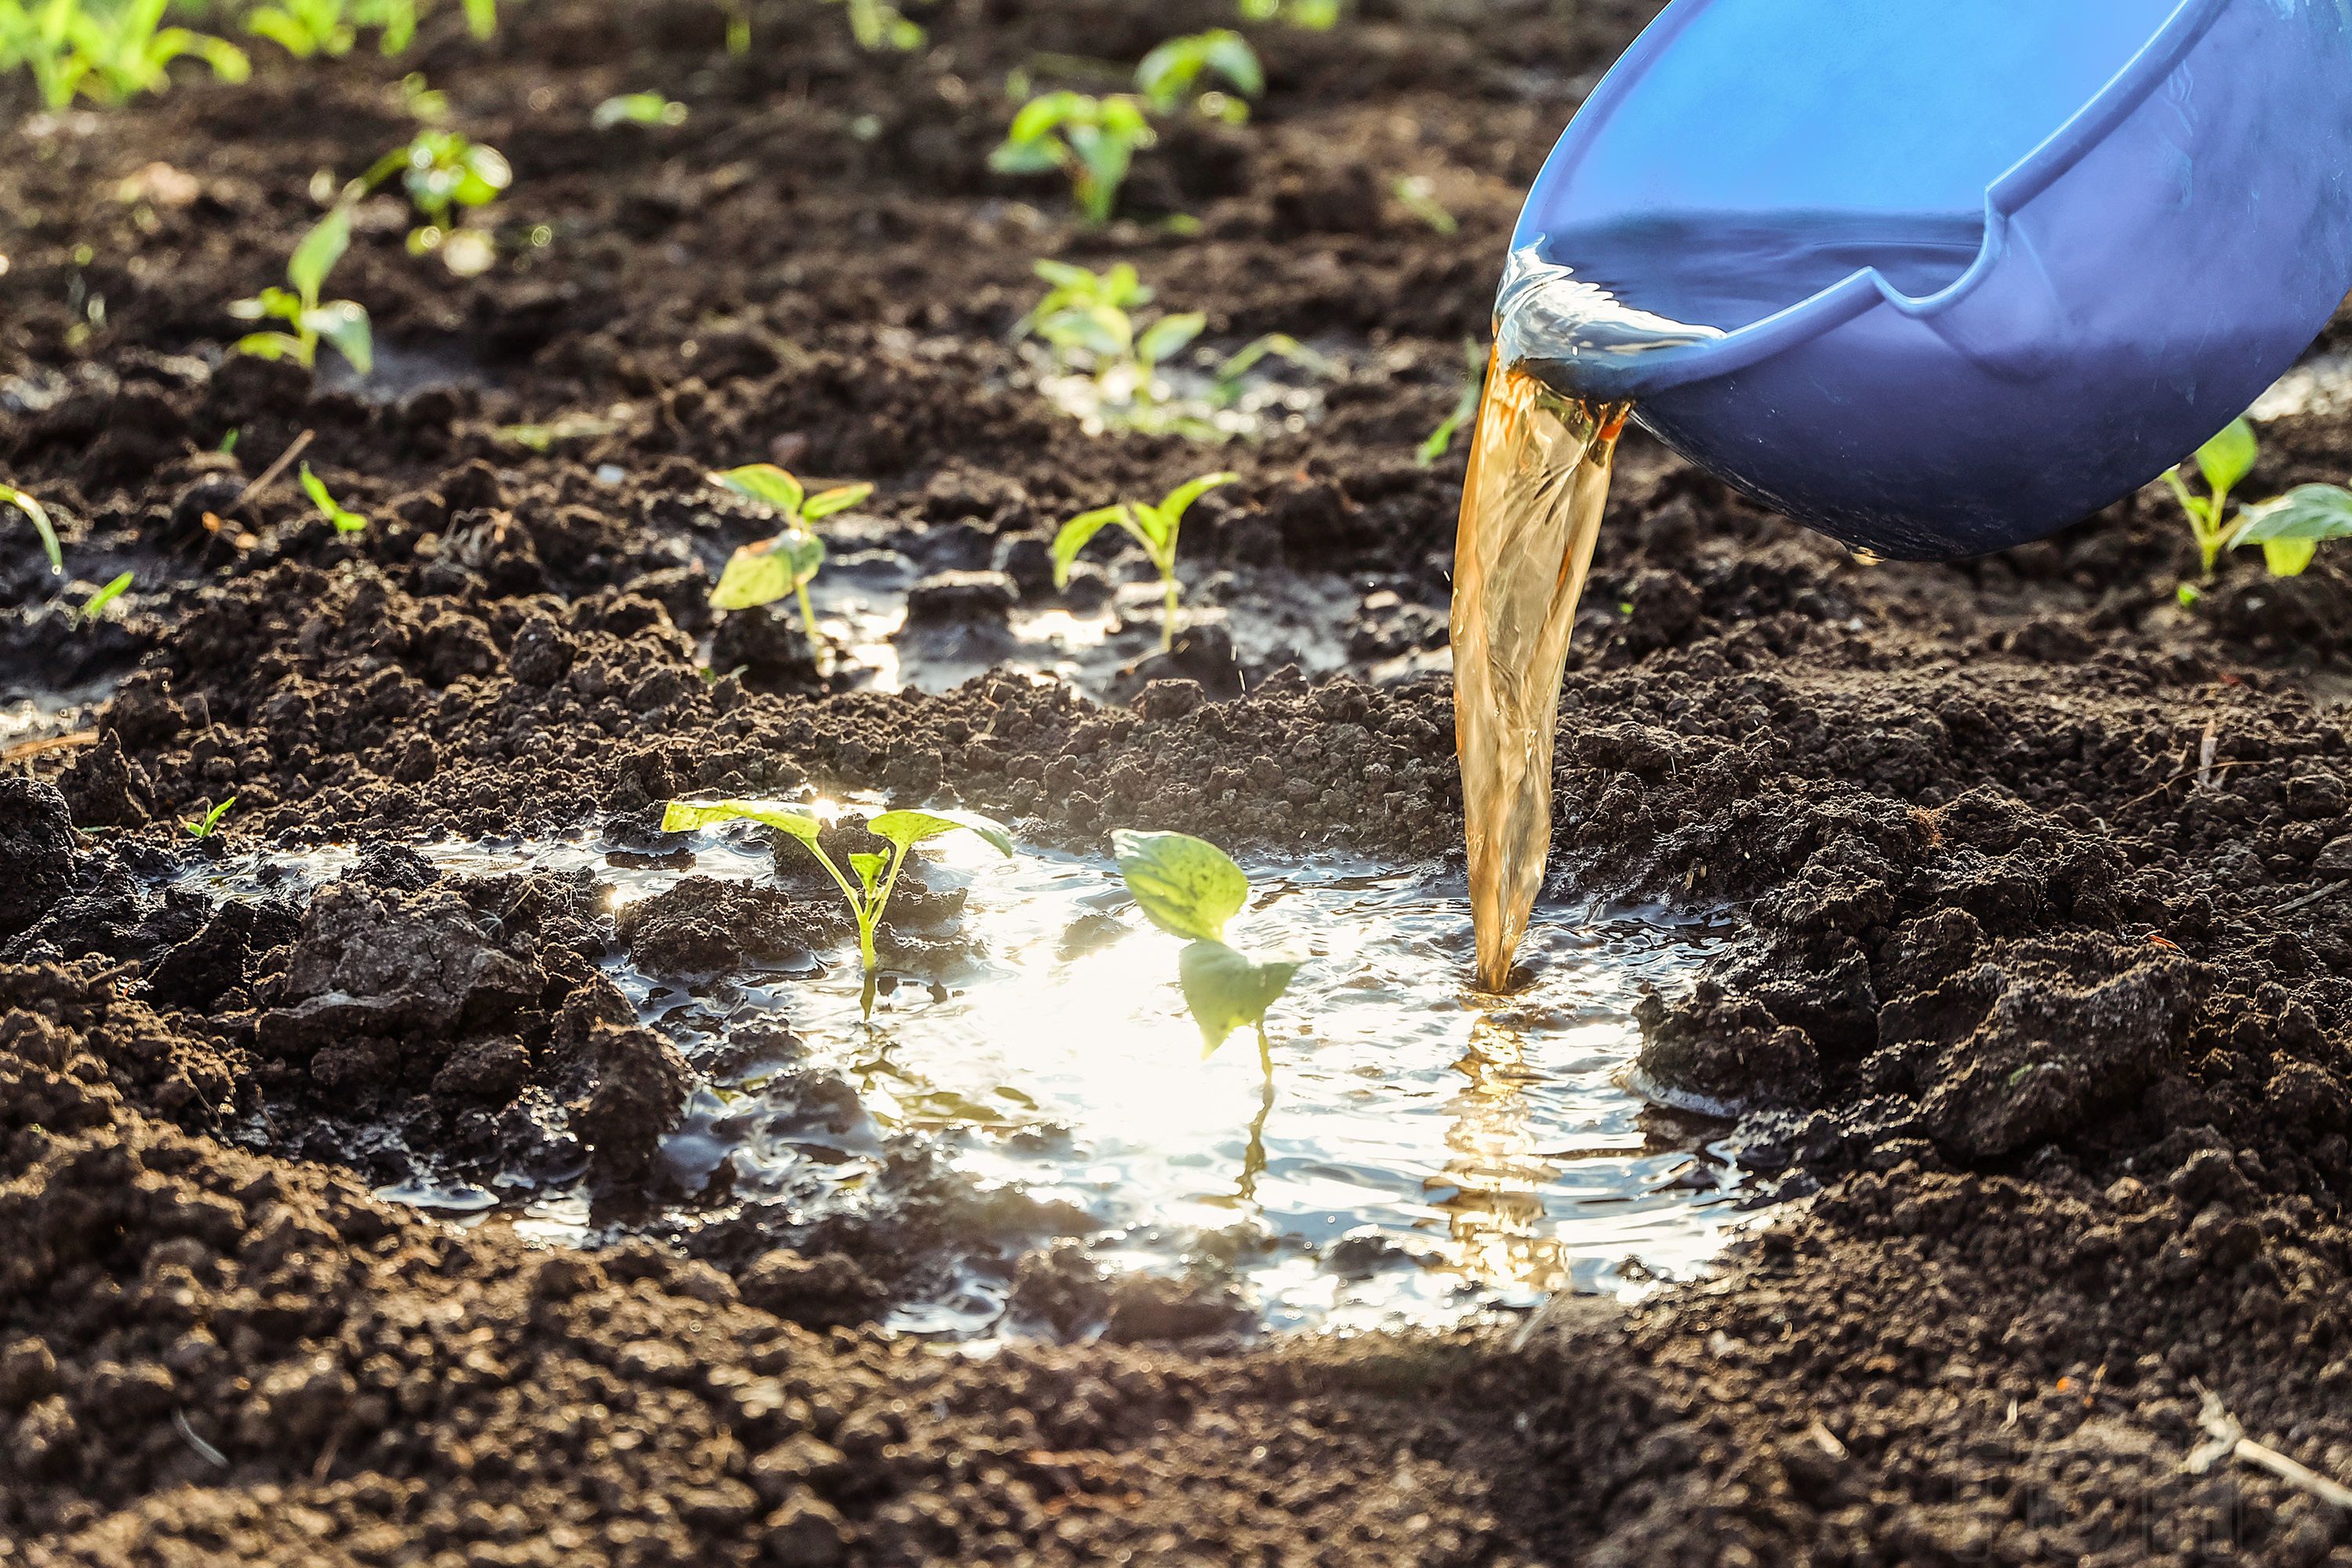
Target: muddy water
[(1531, 510), (1425, 1151)]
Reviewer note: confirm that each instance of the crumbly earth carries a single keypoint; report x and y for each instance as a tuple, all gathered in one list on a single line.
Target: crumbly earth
[(2042, 1024)]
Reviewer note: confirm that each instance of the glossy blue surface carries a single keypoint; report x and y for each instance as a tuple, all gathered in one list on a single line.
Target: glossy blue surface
[(1982, 267)]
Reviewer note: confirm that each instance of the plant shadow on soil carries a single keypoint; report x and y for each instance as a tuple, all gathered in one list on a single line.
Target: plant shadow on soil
[(2042, 993)]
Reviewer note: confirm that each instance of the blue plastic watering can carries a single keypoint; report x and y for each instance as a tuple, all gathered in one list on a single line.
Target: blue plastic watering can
[(1942, 278)]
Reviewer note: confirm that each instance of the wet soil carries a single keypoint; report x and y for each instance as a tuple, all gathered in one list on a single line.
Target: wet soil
[(2041, 1021)]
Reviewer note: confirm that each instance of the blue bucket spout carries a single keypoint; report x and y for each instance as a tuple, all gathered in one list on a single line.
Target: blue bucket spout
[(1943, 279)]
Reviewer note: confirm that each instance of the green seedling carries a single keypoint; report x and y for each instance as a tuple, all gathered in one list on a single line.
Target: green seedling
[(1154, 527), (763, 572), (1192, 890), (95, 606), (345, 521), (446, 176), (342, 322), (1313, 15), (1088, 321), (202, 827), (870, 879), (637, 109), (1440, 441), (1091, 139), (2289, 527), (877, 24), (1273, 345), (2223, 461), (1172, 75), (108, 56), (1417, 193), (38, 515)]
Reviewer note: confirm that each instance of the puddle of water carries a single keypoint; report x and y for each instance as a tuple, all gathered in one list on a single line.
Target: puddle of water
[(1468, 1151)]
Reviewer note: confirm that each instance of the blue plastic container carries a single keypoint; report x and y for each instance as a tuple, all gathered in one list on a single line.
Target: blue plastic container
[(1993, 263)]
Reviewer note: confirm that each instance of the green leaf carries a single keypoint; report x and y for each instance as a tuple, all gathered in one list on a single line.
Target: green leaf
[(2307, 512), (314, 487), (637, 109), (1167, 334), (202, 827), (767, 484), (868, 867), (344, 323), (1179, 500), (1225, 990), (320, 250), (908, 828), (96, 605), (38, 515), (685, 816), (269, 346), (2288, 557), (1186, 886), (1046, 111), (763, 572), (2228, 457), (1230, 54), (824, 503), (1079, 533), (1026, 157)]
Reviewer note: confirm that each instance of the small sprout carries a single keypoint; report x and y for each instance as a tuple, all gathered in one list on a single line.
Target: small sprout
[(332, 511), (95, 606), (563, 427), (877, 24), (1190, 888), (448, 175), (38, 515), (2291, 527), (342, 322), (1440, 441), (1313, 15), (763, 572), (637, 109), (1276, 345), (1154, 527), (1091, 139), (202, 827), (875, 875), (1417, 193), (2223, 461), (228, 442), (1171, 74), (1087, 320)]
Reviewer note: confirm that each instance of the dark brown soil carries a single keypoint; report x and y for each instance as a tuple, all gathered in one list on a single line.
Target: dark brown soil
[(2045, 1002)]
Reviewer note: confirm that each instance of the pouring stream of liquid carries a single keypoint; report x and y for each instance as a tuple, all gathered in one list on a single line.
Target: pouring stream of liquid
[(1532, 509)]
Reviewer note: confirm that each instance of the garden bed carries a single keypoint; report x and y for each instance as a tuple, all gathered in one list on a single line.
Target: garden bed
[(2028, 989)]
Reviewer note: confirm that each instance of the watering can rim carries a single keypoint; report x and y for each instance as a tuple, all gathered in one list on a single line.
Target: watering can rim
[(1866, 288)]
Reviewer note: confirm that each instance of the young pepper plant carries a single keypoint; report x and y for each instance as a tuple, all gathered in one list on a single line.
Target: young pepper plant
[(342, 322), (1087, 320), (868, 882), (763, 572), (1091, 139), (446, 176), (1154, 527), (1190, 888), (2223, 461), (1172, 72)]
